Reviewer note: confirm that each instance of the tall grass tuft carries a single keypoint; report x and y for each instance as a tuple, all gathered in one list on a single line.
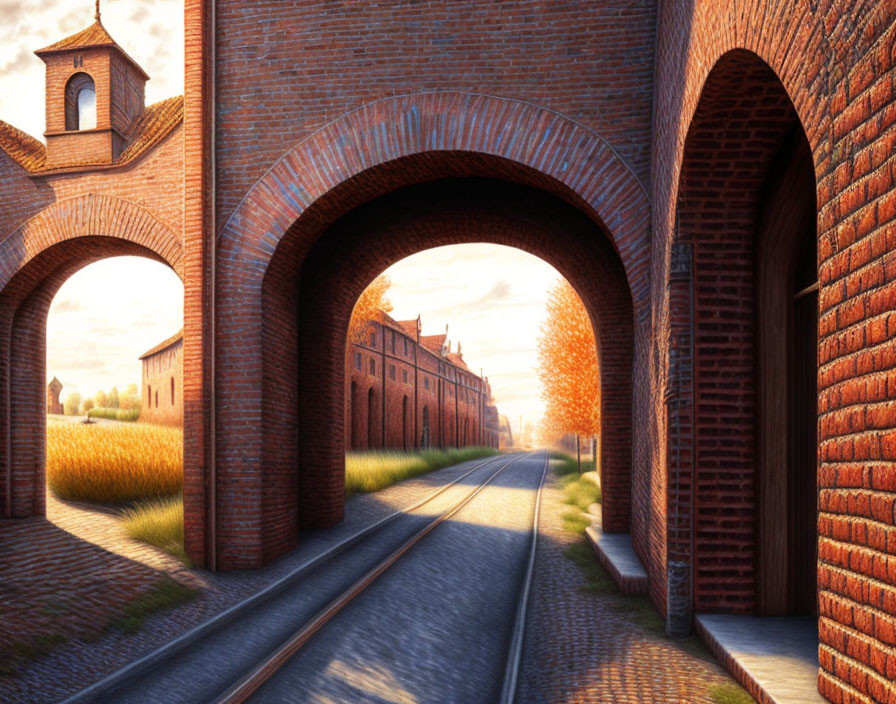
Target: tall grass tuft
[(371, 471), (114, 463), (159, 522)]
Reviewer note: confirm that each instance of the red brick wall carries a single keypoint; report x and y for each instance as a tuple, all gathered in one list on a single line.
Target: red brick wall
[(835, 59), (324, 61), (162, 386), (456, 398)]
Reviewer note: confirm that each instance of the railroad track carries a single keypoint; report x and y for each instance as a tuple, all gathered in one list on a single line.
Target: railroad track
[(223, 654)]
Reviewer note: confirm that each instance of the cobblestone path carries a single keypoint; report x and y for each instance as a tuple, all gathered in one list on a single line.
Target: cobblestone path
[(600, 647)]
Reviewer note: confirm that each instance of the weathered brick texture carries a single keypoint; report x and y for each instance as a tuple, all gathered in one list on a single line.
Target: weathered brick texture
[(660, 155), (835, 60)]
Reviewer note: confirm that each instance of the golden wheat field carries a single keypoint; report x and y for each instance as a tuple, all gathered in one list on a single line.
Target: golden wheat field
[(114, 463)]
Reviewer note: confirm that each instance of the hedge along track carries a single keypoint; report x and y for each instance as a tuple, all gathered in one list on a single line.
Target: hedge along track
[(156, 661)]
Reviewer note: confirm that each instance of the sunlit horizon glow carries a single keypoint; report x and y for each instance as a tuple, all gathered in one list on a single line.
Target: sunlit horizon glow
[(104, 317), (493, 300)]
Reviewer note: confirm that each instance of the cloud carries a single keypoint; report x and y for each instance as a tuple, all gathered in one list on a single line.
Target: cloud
[(141, 14), (67, 305)]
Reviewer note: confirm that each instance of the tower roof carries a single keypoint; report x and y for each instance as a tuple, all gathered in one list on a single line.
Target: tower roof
[(95, 36)]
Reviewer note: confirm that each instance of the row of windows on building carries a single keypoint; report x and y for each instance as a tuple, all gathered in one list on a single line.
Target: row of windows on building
[(393, 336), (150, 398), (466, 395), (444, 369)]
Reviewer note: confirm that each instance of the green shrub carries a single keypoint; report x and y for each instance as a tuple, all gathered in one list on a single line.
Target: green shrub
[(129, 415)]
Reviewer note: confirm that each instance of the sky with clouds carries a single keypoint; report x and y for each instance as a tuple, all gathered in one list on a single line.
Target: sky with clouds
[(492, 298)]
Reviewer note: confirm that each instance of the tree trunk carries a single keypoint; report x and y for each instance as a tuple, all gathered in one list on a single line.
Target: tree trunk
[(579, 451)]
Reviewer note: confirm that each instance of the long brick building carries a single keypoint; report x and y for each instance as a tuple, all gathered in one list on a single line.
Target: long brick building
[(715, 178), (410, 391), (161, 382)]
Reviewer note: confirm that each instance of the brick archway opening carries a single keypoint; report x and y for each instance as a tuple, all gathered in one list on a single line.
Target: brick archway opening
[(323, 263), (742, 424), (24, 307)]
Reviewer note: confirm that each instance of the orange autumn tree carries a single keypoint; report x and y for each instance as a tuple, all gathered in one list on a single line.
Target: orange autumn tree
[(567, 366), (367, 308)]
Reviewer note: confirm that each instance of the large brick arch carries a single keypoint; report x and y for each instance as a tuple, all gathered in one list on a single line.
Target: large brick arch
[(371, 152), (579, 162), (35, 260)]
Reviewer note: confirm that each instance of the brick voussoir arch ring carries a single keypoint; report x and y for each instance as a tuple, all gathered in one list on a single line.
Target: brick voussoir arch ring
[(85, 216), (397, 127)]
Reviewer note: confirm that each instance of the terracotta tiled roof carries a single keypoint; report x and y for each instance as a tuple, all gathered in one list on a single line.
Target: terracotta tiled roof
[(156, 123), (434, 343), (457, 360), (409, 327), (389, 321), (94, 36), (22, 148), (163, 345)]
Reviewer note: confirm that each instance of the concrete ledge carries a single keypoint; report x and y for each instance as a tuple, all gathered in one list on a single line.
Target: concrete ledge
[(617, 556), (774, 659)]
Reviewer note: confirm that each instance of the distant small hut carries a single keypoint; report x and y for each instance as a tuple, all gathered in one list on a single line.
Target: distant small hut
[(54, 405)]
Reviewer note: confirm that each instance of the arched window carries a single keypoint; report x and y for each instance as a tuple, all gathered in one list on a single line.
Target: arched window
[(80, 103), (157, 399), (172, 391)]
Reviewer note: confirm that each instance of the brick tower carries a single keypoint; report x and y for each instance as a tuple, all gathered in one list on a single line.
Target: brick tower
[(94, 92)]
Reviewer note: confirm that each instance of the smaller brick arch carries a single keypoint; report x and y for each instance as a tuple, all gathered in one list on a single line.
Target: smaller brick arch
[(90, 215), (746, 201), (35, 260)]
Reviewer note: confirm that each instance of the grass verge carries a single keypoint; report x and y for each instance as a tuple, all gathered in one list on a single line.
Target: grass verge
[(159, 522), (130, 415), (165, 594), (730, 694), (372, 471), (580, 491)]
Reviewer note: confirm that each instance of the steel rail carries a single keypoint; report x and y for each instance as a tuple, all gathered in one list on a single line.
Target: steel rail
[(138, 668), (241, 690), (512, 669)]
